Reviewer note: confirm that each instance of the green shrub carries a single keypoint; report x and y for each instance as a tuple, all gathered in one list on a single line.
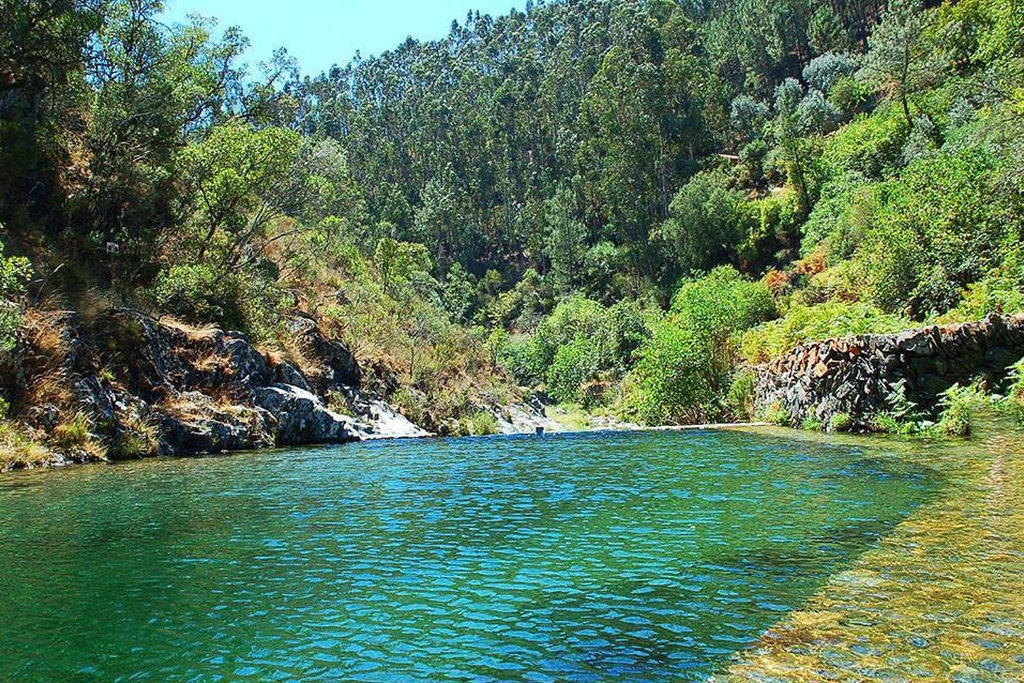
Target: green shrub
[(840, 422), (676, 379), (574, 365), (199, 295), (849, 94), (777, 415), (139, 438), (15, 272), (840, 217), (829, 320), (870, 145), (812, 424), (959, 405), (683, 370), (483, 423), (740, 398), (999, 291), (722, 302), (706, 221), (941, 226)]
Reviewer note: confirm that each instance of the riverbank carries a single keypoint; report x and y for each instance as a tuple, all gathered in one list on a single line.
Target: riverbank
[(939, 599)]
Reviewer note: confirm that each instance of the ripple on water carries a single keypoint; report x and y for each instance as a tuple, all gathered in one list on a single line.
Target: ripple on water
[(642, 556)]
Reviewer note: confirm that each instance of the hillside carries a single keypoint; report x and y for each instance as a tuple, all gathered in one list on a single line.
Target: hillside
[(617, 206)]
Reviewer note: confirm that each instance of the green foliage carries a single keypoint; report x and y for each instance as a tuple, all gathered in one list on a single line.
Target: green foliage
[(939, 228), (901, 416), (580, 340), (194, 293), (958, 406), (673, 381), (777, 415), (706, 222), (840, 422), (740, 399), (849, 95), (721, 303), (870, 145), (480, 423), (683, 369), (75, 435), (841, 216), (574, 364), (15, 272), (1000, 291), (748, 117), (898, 60), (834, 319)]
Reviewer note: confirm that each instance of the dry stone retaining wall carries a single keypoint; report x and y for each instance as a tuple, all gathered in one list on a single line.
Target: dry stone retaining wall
[(857, 375)]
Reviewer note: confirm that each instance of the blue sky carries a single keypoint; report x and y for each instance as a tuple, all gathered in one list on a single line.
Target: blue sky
[(320, 33)]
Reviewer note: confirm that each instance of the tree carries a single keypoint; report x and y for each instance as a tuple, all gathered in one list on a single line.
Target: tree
[(705, 222), (898, 61), (240, 180), (790, 126), (822, 72), (566, 244), (748, 117)]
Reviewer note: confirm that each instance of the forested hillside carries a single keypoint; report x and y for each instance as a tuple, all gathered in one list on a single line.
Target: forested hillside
[(618, 204)]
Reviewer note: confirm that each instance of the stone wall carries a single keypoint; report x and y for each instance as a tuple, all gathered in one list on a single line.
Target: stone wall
[(857, 375)]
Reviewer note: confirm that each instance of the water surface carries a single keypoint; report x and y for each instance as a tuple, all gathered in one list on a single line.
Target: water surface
[(631, 556)]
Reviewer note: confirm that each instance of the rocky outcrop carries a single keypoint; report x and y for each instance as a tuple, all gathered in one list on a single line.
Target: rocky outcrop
[(149, 387), (858, 376), (300, 418)]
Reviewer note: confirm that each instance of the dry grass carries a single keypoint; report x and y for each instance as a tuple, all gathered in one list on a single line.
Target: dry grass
[(48, 350), (193, 332), (20, 449)]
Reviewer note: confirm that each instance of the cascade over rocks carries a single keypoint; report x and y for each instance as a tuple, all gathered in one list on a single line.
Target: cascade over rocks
[(858, 375)]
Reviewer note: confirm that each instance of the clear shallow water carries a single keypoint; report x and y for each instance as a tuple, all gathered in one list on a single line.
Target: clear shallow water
[(638, 556)]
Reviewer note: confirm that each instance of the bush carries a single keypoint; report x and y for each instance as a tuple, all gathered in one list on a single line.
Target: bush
[(869, 145), (777, 415), (816, 323), (482, 423), (850, 94), (840, 422), (675, 380), (706, 222), (840, 217), (740, 399), (574, 365), (1000, 291), (683, 369), (825, 70), (940, 227), (15, 272), (722, 302), (74, 434), (959, 404), (199, 295)]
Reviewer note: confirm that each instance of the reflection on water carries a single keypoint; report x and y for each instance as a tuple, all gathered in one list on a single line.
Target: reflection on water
[(940, 599), (653, 556)]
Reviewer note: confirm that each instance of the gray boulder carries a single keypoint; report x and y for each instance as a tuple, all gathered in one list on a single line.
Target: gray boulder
[(300, 418)]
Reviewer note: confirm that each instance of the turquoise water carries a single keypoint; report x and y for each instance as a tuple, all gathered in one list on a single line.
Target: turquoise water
[(630, 556)]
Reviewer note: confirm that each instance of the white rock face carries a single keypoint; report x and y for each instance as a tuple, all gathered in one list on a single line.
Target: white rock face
[(386, 423), (524, 419)]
